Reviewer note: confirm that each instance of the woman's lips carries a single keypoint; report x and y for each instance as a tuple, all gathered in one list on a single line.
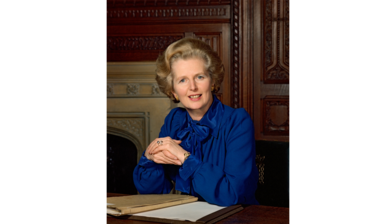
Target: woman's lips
[(195, 97)]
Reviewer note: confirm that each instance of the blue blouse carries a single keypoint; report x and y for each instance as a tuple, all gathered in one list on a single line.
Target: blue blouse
[(221, 169)]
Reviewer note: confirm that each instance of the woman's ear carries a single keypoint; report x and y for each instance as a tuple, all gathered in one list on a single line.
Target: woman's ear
[(175, 95)]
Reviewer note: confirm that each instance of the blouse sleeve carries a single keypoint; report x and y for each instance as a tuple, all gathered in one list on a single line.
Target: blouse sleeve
[(236, 182), (150, 177)]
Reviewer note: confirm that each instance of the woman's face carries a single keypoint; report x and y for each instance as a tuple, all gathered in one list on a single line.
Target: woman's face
[(192, 85)]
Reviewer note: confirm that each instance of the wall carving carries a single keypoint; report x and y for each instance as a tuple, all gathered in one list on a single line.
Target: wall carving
[(259, 160), (211, 40), (142, 89), (236, 49), (276, 109), (166, 12), (133, 89), (286, 32), (155, 89), (276, 64), (126, 43), (110, 89), (124, 3), (134, 126)]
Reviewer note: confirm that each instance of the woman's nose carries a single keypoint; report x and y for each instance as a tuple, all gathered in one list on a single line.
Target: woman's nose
[(192, 85)]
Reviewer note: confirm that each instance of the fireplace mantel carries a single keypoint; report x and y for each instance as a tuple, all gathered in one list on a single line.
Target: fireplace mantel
[(135, 107)]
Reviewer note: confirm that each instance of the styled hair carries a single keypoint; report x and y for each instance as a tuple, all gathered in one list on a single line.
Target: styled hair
[(187, 48)]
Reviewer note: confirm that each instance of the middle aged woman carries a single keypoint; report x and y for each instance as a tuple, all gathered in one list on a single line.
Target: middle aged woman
[(207, 148)]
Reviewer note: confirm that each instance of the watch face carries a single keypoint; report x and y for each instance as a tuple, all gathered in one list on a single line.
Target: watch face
[(187, 154)]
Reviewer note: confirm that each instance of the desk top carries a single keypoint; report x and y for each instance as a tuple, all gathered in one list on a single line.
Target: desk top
[(256, 214)]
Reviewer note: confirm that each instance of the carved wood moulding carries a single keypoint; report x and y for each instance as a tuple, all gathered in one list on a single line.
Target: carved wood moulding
[(137, 48), (148, 47), (120, 89), (140, 43), (259, 160), (110, 89), (132, 126), (276, 41), (127, 3), (276, 115), (236, 96), (167, 12), (212, 40), (153, 15)]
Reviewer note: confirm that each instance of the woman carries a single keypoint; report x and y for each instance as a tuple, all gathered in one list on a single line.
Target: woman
[(207, 149)]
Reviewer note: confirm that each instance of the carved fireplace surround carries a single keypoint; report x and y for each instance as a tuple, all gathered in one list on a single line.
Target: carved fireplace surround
[(135, 107)]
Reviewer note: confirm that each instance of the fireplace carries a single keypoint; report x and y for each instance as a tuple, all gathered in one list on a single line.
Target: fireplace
[(121, 154), (135, 113)]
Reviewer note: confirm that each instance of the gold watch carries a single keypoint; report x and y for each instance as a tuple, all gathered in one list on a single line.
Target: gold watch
[(186, 155)]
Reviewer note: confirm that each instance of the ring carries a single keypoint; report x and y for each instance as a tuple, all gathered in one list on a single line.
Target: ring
[(159, 142)]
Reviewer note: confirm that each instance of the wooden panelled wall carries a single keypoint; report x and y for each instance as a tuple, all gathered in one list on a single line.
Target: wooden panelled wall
[(251, 37)]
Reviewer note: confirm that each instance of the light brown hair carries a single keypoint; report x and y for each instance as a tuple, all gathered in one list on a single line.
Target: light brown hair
[(187, 48)]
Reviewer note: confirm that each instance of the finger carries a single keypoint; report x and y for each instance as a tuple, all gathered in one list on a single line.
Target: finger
[(171, 161), (177, 141), (152, 146), (149, 157), (161, 158), (169, 155), (155, 150), (158, 148)]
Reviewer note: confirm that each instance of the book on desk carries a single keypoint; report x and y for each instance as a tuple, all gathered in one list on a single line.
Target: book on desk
[(168, 208)]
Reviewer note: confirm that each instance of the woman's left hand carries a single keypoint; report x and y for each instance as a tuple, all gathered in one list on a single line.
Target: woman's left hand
[(170, 145)]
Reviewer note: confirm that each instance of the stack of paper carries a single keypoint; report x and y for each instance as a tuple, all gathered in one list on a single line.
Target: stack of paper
[(124, 205), (168, 208)]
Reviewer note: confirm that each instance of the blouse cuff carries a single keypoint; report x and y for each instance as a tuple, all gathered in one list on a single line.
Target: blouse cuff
[(144, 162), (189, 167)]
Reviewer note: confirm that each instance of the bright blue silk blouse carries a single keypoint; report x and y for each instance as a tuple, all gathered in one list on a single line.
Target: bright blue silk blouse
[(221, 169)]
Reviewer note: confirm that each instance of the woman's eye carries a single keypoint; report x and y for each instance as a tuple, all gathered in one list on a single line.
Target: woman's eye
[(182, 80), (200, 77)]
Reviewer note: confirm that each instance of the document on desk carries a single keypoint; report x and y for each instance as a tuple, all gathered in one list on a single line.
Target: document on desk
[(125, 205), (192, 211)]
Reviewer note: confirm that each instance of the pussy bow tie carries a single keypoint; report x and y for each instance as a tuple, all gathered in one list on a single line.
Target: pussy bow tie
[(192, 136)]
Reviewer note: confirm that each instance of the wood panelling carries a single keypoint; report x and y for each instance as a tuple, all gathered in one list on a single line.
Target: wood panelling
[(271, 69), (275, 115), (123, 45), (276, 41)]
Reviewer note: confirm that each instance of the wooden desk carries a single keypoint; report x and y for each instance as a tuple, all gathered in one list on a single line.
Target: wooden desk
[(256, 214)]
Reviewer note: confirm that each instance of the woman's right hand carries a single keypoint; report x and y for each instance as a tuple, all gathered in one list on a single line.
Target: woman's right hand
[(163, 157)]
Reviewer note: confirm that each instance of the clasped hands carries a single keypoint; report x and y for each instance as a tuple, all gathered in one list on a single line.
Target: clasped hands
[(167, 152)]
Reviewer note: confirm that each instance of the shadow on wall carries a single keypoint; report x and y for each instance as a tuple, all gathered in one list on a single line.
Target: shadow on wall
[(272, 159)]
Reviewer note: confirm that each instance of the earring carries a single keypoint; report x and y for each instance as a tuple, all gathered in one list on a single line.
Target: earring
[(212, 88), (176, 97)]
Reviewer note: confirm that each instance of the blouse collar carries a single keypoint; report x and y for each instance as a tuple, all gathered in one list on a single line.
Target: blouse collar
[(211, 119)]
